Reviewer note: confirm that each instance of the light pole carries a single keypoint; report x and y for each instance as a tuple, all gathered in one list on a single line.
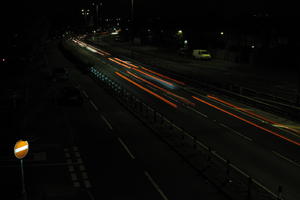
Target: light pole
[(85, 13), (97, 17), (132, 2)]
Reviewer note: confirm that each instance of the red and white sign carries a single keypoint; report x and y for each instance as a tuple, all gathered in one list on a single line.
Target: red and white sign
[(21, 149)]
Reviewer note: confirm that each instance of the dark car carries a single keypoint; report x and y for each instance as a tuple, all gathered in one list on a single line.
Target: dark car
[(70, 96)]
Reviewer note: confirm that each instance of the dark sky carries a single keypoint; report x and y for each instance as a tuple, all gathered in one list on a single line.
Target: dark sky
[(19, 15), (21, 12)]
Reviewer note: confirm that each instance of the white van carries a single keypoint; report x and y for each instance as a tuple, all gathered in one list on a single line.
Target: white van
[(201, 54)]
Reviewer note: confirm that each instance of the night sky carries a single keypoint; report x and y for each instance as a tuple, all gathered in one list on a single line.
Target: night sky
[(25, 16)]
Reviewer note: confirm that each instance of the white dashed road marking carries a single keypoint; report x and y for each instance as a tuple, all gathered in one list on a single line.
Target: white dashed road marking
[(155, 185), (126, 148)]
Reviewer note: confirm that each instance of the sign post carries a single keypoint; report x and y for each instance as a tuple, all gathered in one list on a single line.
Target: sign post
[(21, 149)]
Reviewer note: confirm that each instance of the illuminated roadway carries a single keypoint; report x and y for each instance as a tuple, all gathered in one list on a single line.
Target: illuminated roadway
[(250, 141)]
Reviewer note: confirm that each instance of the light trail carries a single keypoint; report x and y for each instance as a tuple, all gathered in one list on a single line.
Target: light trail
[(147, 90), (162, 89), (248, 122), (163, 76), (253, 114), (126, 63), (111, 59), (156, 78)]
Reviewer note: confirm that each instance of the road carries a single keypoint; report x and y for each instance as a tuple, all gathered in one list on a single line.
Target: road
[(258, 147), (97, 150)]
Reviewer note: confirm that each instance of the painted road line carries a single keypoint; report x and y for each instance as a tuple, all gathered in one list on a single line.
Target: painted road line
[(93, 104), (91, 196), (236, 132), (285, 158), (155, 185), (202, 145), (239, 170), (107, 122), (200, 113), (126, 148), (85, 94), (249, 122), (266, 189), (218, 156)]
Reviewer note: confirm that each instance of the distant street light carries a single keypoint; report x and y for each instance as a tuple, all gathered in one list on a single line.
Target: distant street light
[(221, 33), (85, 13), (180, 32)]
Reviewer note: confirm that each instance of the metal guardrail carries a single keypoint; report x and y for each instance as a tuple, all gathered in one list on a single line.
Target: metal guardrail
[(227, 177)]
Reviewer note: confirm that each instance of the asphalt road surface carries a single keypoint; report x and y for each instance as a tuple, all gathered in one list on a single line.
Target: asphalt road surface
[(94, 151), (262, 150)]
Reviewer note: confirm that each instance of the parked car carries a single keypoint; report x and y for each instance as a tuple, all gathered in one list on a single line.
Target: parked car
[(201, 54), (70, 96)]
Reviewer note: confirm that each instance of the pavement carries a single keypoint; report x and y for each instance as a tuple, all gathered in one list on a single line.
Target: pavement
[(94, 151), (253, 144)]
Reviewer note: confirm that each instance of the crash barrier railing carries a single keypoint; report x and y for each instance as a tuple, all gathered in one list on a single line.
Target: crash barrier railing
[(228, 178)]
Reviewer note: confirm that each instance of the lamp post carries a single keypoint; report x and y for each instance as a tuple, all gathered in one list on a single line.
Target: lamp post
[(98, 16), (85, 13)]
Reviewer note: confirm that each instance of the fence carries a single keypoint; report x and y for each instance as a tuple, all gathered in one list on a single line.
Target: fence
[(228, 178)]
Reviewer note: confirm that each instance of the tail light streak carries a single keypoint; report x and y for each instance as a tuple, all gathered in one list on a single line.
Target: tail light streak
[(156, 78), (252, 114), (113, 60), (248, 122), (147, 90), (163, 76), (162, 89), (129, 64)]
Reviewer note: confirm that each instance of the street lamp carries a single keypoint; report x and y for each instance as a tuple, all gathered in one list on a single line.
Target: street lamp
[(85, 13), (97, 17)]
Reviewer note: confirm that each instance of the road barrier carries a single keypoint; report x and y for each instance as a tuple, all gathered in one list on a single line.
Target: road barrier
[(226, 176)]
